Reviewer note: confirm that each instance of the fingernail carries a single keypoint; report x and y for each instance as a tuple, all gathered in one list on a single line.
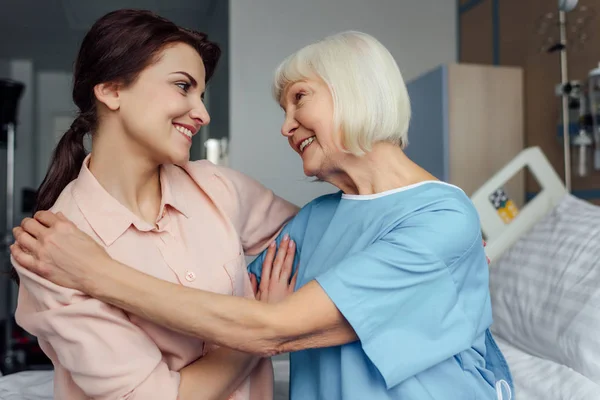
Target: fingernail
[(272, 244), (291, 244), (286, 236)]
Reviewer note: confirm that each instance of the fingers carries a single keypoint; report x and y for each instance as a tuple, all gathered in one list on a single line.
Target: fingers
[(47, 218), (22, 258), (288, 262), (27, 242), (279, 258), (265, 275), (33, 227)]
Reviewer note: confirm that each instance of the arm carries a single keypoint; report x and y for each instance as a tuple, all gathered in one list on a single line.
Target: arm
[(305, 319), (216, 375), (77, 327), (107, 356)]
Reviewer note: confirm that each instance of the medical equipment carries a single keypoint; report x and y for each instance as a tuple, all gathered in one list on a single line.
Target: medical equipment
[(594, 96), (564, 6), (10, 94)]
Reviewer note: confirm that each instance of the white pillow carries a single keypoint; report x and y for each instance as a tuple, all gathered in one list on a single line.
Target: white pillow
[(546, 289)]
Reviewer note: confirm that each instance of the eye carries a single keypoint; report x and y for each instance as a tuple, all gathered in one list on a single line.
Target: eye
[(184, 86), (298, 96)]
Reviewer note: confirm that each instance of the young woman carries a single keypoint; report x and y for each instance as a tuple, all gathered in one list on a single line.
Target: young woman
[(139, 81)]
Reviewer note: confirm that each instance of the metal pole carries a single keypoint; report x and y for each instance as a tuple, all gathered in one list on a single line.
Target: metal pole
[(10, 184), (565, 98)]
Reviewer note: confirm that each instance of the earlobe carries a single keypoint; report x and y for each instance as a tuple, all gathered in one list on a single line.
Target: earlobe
[(108, 94)]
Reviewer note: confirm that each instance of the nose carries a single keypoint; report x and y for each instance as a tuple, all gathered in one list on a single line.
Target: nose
[(199, 113), (289, 125)]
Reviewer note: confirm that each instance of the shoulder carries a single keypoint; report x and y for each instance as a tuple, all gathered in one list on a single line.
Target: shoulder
[(325, 204), (442, 219), (217, 177), (331, 199), (67, 205)]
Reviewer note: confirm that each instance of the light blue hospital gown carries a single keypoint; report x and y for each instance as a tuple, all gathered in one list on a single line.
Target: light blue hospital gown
[(408, 271)]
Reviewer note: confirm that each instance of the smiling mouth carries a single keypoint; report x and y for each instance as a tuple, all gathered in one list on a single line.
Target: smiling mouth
[(305, 143), (186, 132)]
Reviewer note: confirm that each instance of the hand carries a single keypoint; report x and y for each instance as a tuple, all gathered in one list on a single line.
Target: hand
[(52, 247), (275, 284), (485, 244)]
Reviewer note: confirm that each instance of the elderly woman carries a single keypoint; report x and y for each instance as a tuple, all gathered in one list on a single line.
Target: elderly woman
[(391, 293)]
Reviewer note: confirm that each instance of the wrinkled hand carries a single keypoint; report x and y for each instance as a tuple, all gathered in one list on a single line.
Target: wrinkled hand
[(52, 247), (275, 284)]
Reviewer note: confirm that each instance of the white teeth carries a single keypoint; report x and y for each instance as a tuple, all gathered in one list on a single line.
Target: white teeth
[(183, 130), (306, 142)]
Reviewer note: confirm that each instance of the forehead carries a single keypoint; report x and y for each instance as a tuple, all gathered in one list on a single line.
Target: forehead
[(180, 57)]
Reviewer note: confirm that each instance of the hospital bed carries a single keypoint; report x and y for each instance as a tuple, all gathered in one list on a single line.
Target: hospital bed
[(544, 285)]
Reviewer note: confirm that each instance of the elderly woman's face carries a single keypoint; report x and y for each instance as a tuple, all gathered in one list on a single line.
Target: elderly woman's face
[(309, 126)]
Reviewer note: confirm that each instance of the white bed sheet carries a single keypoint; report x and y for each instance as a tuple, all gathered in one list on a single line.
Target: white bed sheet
[(539, 379), (29, 385)]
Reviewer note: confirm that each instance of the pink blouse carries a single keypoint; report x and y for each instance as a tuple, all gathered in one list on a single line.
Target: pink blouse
[(209, 218)]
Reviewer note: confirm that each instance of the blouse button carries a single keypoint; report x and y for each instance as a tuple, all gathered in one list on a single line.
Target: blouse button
[(190, 276)]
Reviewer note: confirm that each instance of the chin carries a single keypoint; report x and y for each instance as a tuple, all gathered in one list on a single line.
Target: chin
[(177, 158)]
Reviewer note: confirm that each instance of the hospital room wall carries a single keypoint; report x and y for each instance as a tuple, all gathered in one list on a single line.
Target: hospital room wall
[(505, 33), (421, 34)]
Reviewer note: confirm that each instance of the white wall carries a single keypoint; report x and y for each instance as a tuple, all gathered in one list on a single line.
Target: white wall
[(421, 34)]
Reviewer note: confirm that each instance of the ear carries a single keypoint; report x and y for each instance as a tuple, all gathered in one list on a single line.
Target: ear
[(108, 94)]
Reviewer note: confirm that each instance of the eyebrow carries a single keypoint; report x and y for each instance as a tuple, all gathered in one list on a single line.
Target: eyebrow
[(191, 78)]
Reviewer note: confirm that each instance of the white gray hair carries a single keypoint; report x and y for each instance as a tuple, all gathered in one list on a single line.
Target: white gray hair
[(370, 98)]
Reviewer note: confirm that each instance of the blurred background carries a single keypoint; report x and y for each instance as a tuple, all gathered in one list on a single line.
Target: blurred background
[(484, 76)]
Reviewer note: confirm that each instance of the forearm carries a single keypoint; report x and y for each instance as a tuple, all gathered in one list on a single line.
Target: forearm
[(306, 319), (216, 375), (235, 322)]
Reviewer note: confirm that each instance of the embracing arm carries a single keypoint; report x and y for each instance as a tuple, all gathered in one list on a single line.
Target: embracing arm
[(305, 319), (109, 357), (76, 326)]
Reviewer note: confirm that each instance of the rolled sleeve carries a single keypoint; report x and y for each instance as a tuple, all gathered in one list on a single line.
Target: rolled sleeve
[(106, 355), (402, 302)]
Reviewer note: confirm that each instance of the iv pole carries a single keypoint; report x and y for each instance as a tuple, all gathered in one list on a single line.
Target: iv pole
[(565, 6)]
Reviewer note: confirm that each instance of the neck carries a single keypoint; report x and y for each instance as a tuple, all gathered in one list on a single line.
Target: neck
[(384, 168), (123, 171)]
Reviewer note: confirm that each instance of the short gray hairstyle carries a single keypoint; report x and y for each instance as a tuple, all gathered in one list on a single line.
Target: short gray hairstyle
[(370, 98)]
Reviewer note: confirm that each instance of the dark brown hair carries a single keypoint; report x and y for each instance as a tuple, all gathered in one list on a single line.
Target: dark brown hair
[(116, 49)]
